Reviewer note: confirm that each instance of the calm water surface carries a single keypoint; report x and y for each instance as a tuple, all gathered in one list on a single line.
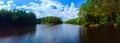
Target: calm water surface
[(63, 33)]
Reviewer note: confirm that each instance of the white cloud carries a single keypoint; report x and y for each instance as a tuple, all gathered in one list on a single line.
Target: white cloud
[(45, 8), (10, 5), (1, 3), (70, 12)]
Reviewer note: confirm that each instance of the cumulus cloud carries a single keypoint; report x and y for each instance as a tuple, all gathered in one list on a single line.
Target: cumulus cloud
[(10, 5), (45, 8), (70, 12)]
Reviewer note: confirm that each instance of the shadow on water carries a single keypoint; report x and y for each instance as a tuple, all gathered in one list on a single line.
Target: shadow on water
[(100, 35), (7, 31)]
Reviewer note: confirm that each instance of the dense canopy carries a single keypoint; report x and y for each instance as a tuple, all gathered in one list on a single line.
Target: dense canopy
[(17, 17), (104, 12)]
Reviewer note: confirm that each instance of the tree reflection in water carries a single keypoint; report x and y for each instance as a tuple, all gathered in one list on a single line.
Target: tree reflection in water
[(7, 31), (100, 35)]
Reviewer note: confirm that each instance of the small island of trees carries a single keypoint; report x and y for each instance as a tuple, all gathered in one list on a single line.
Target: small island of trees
[(49, 20)]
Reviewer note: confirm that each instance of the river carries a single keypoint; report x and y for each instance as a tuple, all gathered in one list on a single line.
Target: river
[(63, 33)]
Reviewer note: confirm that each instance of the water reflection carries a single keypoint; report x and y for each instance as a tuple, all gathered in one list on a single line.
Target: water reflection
[(63, 33), (100, 35), (16, 34)]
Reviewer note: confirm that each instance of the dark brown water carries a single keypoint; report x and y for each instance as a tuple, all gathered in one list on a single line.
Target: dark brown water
[(100, 35), (63, 33)]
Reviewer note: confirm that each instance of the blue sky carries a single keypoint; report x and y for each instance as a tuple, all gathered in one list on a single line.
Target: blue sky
[(65, 9)]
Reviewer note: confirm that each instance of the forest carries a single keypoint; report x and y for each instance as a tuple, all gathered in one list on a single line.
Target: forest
[(101, 12), (17, 17)]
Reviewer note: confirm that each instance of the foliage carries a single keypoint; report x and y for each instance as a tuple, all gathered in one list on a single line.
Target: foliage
[(118, 19), (16, 17), (49, 20), (103, 19), (100, 11)]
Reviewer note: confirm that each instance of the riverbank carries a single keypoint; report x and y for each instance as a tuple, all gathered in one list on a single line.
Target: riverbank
[(104, 26)]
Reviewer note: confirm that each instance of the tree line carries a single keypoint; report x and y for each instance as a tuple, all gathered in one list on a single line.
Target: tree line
[(20, 17), (78, 21)]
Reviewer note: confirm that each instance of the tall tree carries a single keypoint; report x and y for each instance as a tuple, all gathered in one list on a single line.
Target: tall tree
[(93, 11)]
